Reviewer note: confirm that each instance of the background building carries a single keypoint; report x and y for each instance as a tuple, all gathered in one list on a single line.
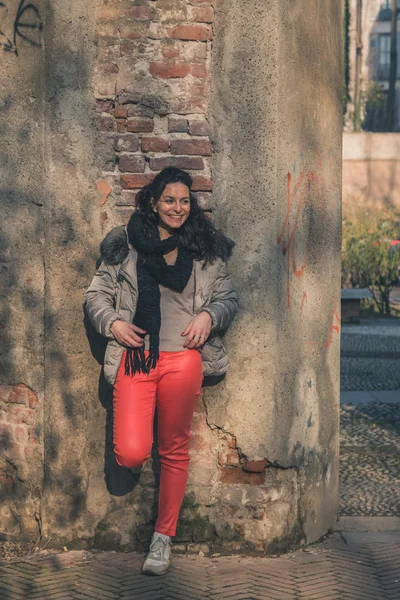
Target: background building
[(369, 62)]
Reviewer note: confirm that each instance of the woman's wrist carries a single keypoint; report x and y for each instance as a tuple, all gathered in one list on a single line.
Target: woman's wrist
[(212, 321)]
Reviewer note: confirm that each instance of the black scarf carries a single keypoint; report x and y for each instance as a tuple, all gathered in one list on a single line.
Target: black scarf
[(153, 270)]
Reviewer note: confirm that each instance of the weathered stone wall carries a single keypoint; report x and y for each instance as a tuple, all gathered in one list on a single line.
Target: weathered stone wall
[(371, 173), (238, 98), (22, 177)]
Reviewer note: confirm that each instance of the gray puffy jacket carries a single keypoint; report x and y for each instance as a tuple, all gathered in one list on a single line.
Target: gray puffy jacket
[(113, 294)]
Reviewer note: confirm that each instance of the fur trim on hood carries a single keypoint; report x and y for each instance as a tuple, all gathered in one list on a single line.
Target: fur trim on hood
[(114, 247)]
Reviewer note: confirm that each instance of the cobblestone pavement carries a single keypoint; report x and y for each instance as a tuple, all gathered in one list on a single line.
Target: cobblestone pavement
[(369, 459), (370, 431), (331, 570), (370, 357)]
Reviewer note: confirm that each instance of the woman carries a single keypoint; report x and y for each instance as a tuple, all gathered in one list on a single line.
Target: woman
[(160, 294)]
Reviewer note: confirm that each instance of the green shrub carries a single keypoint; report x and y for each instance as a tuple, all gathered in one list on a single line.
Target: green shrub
[(369, 260)]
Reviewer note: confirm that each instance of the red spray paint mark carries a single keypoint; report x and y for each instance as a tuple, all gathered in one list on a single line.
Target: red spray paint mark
[(303, 301), (287, 237), (335, 327)]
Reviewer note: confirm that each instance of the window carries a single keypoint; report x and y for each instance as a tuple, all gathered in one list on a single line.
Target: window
[(383, 56)]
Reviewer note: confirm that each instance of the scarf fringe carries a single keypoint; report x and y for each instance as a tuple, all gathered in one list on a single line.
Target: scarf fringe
[(136, 361)]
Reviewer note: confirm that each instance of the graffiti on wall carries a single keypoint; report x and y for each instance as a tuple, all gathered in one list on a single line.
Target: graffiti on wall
[(297, 193), (303, 193), (27, 25), (335, 326)]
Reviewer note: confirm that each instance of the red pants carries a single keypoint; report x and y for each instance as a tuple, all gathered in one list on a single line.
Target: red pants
[(173, 386)]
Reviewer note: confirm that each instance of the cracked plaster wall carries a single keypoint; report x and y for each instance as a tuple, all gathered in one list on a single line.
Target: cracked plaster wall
[(277, 135)]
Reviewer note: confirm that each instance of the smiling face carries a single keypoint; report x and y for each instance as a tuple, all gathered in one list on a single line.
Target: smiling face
[(173, 208)]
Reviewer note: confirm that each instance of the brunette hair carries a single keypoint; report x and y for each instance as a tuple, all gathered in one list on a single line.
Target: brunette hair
[(198, 234)]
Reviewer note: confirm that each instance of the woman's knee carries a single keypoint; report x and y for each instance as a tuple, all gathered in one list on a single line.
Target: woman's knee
[(131, 455)]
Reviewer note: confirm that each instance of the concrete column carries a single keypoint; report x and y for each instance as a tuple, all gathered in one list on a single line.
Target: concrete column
[(277, 132)]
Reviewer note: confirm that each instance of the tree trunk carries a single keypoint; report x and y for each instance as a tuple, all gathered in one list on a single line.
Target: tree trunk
[(391, 99), (386, 302)]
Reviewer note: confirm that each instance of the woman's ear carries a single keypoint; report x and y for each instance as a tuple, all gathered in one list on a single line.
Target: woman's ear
[(153, 205)]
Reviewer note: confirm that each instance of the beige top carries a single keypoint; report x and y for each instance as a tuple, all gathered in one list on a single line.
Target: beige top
[(176, 314)]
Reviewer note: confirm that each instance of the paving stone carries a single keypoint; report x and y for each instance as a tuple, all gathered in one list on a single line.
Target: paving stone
[(360, 569)]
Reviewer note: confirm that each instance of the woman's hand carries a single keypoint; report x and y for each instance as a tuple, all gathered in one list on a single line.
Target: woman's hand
[(127, 334), (198, 331)]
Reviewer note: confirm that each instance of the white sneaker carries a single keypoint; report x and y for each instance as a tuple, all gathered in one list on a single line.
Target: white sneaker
[(158, 558)]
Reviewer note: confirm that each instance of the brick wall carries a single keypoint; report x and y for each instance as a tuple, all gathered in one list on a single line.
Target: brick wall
[(21, 471), (152, 90)]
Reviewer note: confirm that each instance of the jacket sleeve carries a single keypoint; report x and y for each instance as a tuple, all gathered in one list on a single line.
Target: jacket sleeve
[(100, 299), (223, 305)]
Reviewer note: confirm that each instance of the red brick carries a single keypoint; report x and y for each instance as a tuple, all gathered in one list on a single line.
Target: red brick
[(178, 70), (140, 13), (203, 14), (126, 143), (194, 163), (199, 128), (106, 123), (127, 198), (106, 106), (236, 475), (155, 144), (104, 189), (178, 125), (140, 124), (134, 182), (195, 146), (132, 164), (20, 394), (232, 459), (121, 125), (121, 112), (127, 33), (170, 51), (197, 33), (202, 184), (255, 466)]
